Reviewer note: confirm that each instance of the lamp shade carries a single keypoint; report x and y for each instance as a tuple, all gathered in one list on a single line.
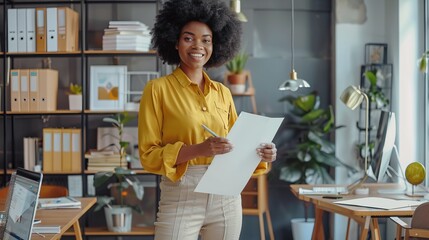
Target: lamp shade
[(352, 97), (293, 84), (236, 7)]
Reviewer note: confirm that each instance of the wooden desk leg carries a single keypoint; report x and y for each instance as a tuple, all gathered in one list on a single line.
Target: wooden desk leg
[(318, 233), (77, 231), (375, 229), (365, 228), (398, 232), (348, 228)]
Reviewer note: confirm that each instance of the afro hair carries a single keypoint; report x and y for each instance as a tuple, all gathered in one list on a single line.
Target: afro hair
[(175, 14)]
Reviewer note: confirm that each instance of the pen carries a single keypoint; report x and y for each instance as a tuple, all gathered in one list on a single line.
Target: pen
[(210, 131)]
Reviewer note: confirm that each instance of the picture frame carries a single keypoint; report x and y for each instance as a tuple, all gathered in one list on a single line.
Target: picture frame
[(375, 53), (107, 87), (136, 80)]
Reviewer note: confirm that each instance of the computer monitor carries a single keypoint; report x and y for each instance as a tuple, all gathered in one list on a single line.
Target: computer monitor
[(384, 144), (22, 204)]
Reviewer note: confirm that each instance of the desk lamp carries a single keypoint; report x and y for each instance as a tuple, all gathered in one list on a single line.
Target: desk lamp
[(293, 83), (352, 97)]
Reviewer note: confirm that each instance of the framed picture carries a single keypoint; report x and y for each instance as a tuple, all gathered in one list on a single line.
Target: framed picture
[(136, 80), (375, 53), (107, 87)]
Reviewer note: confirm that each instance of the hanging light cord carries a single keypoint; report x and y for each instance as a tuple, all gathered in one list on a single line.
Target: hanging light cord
[(293, 36)]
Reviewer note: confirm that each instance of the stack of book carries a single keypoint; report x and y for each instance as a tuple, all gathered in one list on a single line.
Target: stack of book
[(126, 35), (104, 161)]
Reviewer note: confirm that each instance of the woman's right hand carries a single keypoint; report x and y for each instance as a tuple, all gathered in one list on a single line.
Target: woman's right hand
[(214, 146)]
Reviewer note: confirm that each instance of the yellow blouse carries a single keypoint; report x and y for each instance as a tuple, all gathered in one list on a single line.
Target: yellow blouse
[(172, 111)]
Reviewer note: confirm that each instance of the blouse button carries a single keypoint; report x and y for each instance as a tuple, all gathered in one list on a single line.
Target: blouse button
[(204, 109)]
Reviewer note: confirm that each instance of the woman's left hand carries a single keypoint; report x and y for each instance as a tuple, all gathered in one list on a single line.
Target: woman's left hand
[(267, 152)]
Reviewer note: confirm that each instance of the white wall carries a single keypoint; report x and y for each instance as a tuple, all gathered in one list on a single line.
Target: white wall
[(395, 22)]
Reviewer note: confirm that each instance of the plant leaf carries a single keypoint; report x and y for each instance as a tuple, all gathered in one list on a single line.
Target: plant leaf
[(101, 177)]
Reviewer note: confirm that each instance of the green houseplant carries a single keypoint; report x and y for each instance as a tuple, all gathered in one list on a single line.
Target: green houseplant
[(123, 184), (309, 156), (237, 64), (374, 92), (236, 75), (305, 153), (75, 96)]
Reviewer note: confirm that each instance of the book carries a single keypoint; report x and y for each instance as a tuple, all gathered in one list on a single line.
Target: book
[(61, 202), (46, 229), (380, 203)]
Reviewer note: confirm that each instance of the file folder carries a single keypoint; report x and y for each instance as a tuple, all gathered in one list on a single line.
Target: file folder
[(67, 29), (76, 150), (48, 149), (25, 90), (12, 30), (48, 89), (15, 90), (57, 150), (41, 29), (31, 30), (52, 31), (22, 29), (66, 150), (26, 143), (34, 90)]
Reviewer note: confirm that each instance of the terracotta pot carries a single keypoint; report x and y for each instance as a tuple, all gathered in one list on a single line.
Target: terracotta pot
[(237, 82)]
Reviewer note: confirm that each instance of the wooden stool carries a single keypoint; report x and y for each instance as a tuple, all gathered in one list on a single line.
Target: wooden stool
[(255, 202)]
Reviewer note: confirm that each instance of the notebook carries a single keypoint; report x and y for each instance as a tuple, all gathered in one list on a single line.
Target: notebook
[(21, 204)]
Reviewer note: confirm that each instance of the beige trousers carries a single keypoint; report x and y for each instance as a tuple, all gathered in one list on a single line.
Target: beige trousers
[(184, 214)]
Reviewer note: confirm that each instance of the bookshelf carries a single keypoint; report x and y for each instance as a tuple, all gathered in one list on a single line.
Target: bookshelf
[(73, 67)]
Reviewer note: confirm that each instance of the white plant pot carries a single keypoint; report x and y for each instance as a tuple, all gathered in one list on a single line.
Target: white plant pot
[(237, 88), (301, 229), (75, 102), (118, 218)]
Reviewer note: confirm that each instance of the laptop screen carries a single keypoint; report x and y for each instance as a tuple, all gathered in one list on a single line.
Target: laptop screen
[(22, 204)]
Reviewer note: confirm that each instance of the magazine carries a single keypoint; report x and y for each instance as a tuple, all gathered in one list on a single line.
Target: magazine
[(61, 202)]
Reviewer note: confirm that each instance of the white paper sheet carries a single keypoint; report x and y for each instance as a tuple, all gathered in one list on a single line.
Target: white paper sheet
[(381, 203), (229, 173)]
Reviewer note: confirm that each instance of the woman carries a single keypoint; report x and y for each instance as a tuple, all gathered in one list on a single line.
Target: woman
[(192, 34)]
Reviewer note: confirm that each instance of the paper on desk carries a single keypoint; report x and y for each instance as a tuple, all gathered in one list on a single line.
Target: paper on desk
[(380, 203), (229, 173)]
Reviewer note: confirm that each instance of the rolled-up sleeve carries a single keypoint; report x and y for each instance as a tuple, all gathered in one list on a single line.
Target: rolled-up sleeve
[(154, 157)]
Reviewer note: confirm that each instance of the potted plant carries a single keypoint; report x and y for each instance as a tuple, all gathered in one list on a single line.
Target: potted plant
[(375, 93), (118, 207), (305, 153), (75, 97), (236, 76)]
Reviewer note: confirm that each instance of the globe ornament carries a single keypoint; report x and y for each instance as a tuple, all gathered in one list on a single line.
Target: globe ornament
[(415, 174)]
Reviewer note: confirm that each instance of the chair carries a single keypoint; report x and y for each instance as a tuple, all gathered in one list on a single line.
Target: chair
[(419, 226), (46, 191), (53, 191)]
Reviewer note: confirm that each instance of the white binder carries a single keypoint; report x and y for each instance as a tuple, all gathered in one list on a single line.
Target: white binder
[(12, 30), (22, 29), (31, 30), (51, 27)]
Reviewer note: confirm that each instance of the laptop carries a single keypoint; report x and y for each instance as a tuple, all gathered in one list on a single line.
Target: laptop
[(21, 204)]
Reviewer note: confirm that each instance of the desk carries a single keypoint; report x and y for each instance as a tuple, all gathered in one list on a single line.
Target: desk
[(63, 217), (365, 217)]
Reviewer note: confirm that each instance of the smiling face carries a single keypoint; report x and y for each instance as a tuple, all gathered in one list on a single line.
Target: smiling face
[(195, 46)]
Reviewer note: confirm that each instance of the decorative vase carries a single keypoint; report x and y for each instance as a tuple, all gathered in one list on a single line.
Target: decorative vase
[(118, 218), (75, 102), (237, 82), (302, 229)]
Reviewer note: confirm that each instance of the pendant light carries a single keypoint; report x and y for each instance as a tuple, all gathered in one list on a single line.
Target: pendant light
[(236, 7), (293, 83)]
